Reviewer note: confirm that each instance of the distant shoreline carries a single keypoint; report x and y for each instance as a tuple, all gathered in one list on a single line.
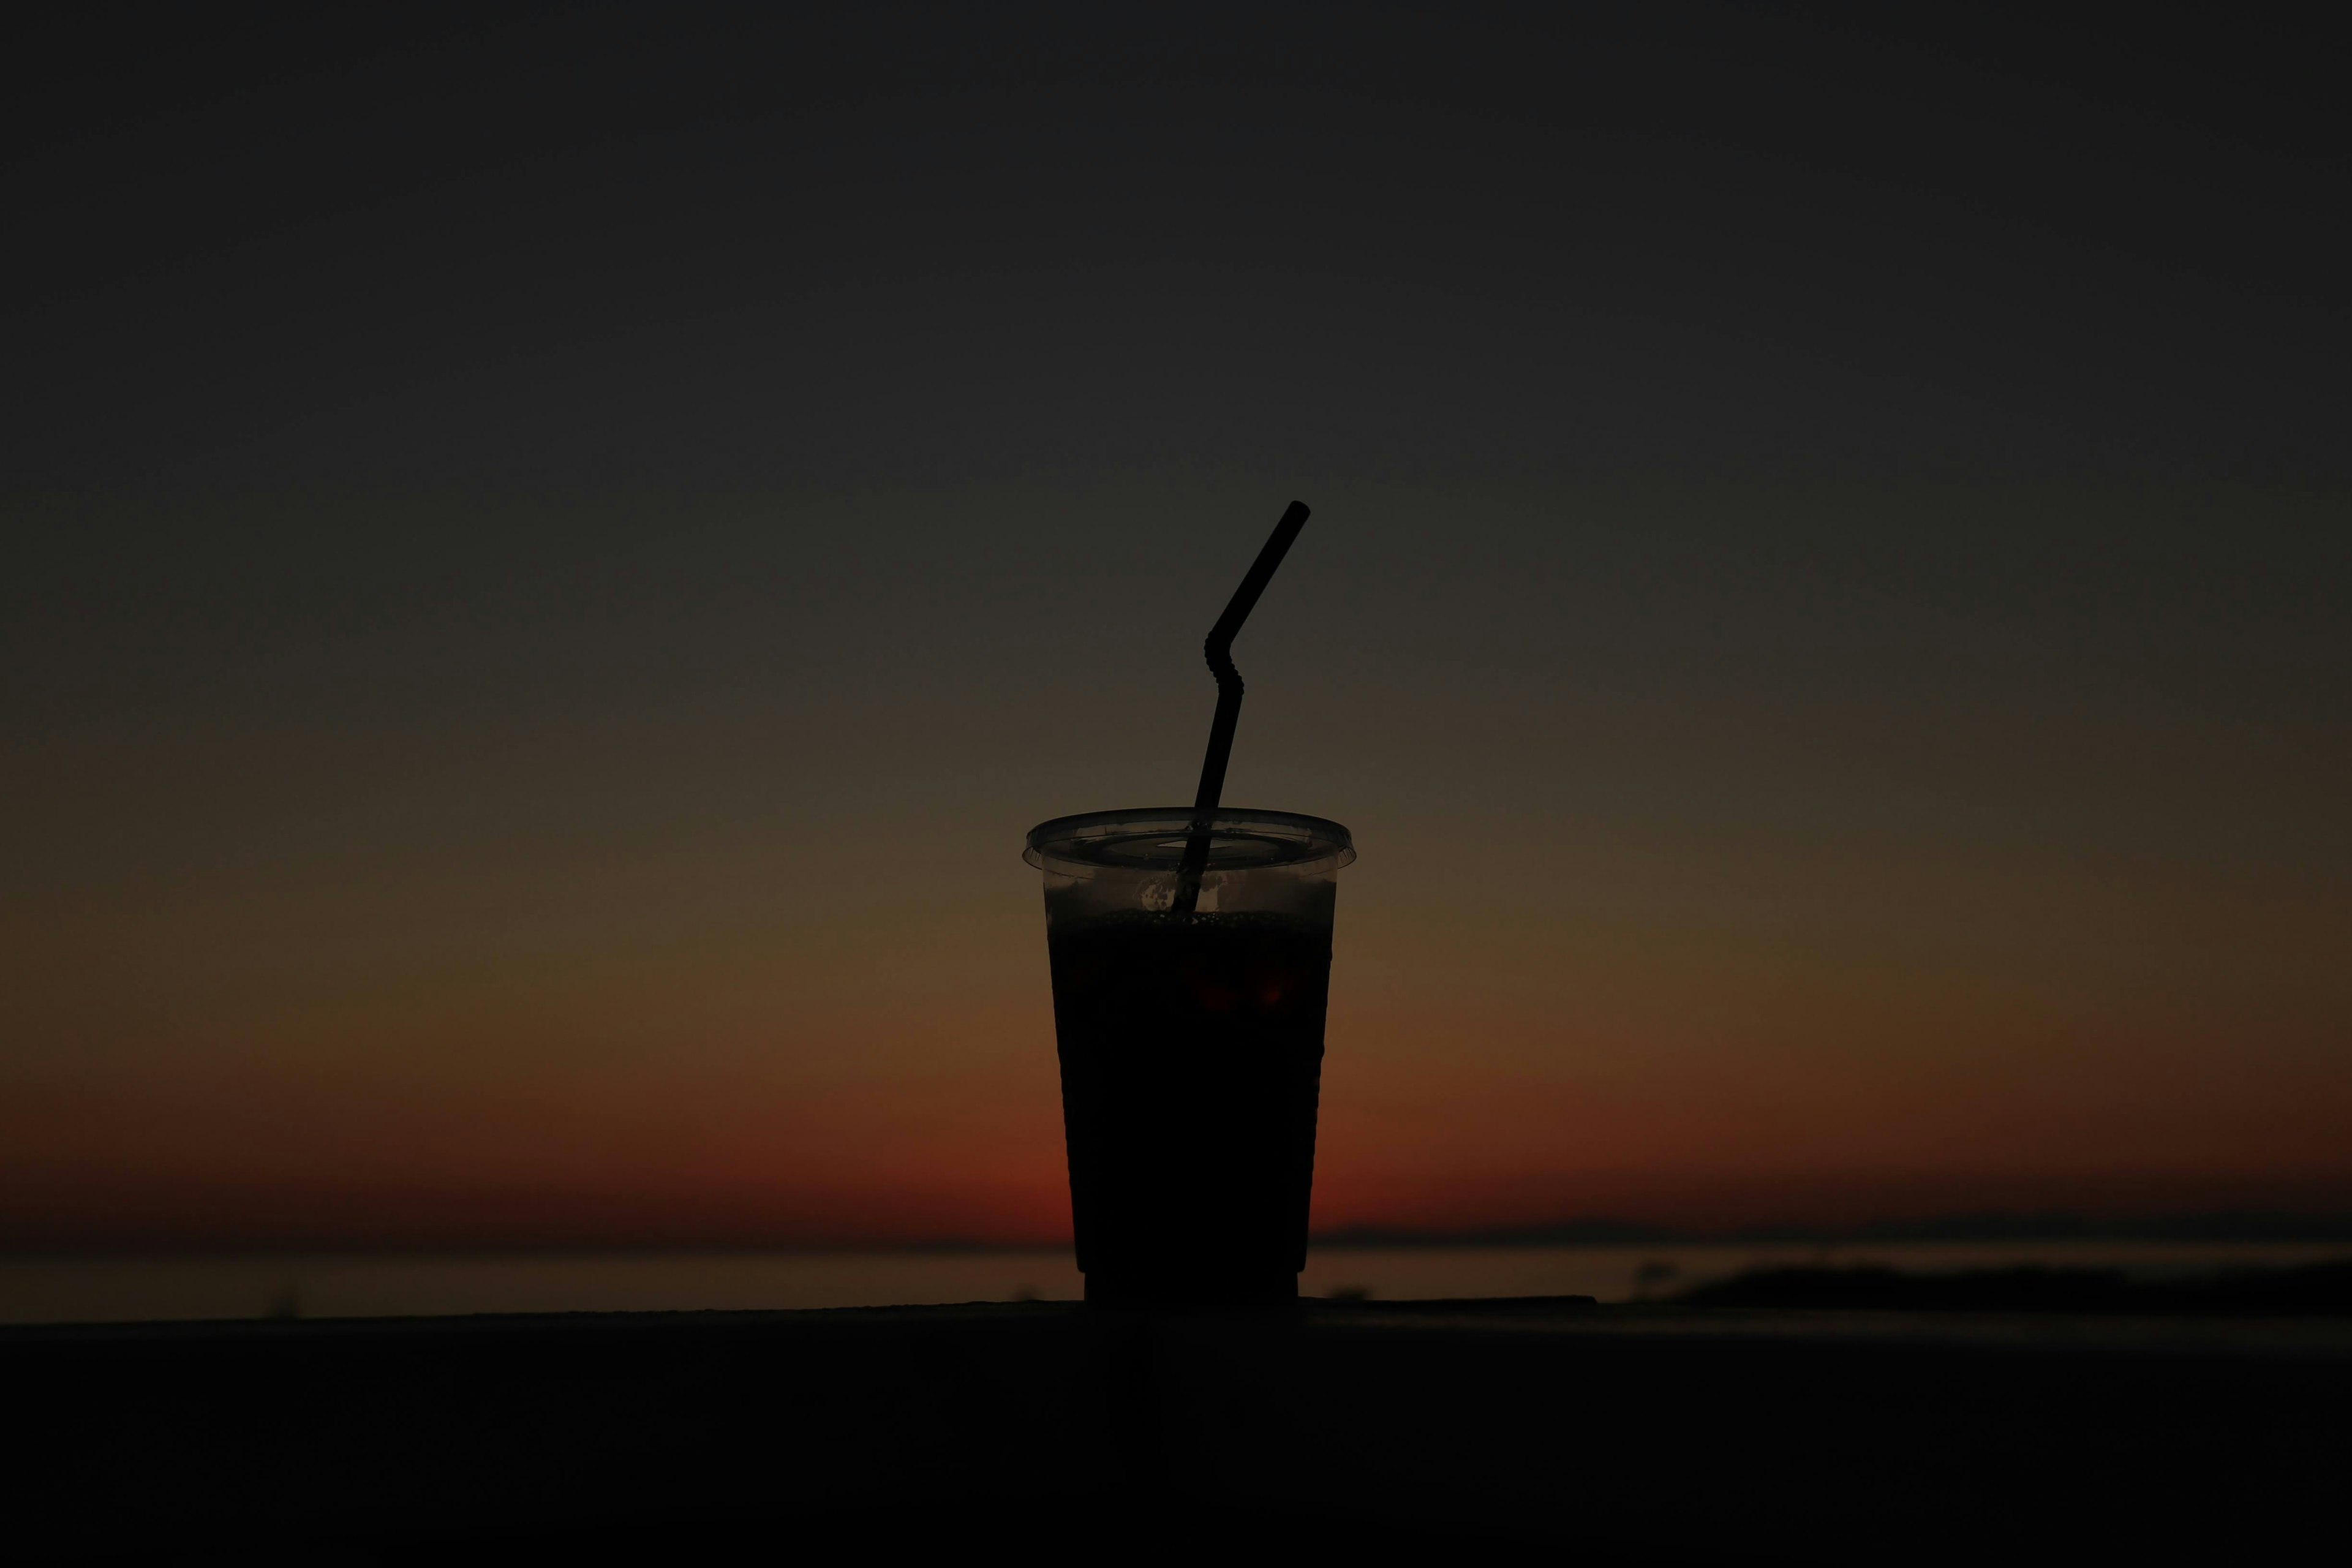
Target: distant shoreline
[(2228, 1226), (2233, 1227)]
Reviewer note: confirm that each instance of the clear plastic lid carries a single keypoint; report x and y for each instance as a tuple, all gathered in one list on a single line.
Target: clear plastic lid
[(1151, 839)]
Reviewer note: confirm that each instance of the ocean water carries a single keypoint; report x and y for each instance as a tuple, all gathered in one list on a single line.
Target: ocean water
[(364, 1285)]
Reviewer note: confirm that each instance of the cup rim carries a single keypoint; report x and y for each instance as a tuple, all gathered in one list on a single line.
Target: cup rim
[(1149, 840)]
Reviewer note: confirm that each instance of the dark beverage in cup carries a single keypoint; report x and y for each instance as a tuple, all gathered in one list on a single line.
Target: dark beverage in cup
[(1190, 1044)]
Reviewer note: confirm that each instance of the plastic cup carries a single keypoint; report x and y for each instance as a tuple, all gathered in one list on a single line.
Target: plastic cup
[(1192, 1045)]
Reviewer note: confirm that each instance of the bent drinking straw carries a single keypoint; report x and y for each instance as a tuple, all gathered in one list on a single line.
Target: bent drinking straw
[(1220, 650)]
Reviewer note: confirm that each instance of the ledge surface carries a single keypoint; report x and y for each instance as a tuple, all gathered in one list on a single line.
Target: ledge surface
[(1637, 1434)]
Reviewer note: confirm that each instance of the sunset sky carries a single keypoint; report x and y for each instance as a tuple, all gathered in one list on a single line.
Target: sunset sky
[(556, 552)]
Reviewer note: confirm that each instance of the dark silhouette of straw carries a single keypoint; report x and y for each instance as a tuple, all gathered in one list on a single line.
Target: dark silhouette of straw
[(1220, 650)]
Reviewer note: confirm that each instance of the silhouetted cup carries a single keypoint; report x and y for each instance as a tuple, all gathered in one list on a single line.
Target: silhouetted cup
[(1192, 1045)]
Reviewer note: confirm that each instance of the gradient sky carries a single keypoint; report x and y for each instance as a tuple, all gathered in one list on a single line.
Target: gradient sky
[(557, 551)]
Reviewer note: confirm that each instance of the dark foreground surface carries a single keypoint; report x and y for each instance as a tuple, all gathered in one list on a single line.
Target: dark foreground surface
[(1380, 1431)]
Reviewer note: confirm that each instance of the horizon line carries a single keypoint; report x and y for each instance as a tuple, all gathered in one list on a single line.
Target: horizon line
[(1596, 1231)]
